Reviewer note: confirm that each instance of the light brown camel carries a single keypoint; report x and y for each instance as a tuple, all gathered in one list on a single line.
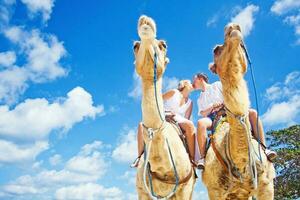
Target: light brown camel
[(233, 136), (159, 157)]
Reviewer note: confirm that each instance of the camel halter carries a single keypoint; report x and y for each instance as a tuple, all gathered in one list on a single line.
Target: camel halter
[(150, 134)]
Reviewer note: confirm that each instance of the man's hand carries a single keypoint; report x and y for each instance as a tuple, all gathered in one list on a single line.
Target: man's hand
[(216, 107)]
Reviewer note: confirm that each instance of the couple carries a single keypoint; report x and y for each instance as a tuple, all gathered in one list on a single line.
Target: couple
[(179, 105)]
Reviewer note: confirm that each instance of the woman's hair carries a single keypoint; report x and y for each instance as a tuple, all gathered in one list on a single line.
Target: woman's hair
[(182, 84)]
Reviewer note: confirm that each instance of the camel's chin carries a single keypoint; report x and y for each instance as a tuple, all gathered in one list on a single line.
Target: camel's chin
[(146, 35)]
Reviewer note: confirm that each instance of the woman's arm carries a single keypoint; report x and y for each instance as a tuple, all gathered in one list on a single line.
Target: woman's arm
[(188, 112), (168, 95)]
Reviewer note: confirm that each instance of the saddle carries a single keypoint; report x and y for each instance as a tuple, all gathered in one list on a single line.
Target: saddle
[(170, 119), (217, 116)]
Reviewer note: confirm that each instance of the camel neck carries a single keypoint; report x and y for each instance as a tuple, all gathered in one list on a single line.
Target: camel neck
[(151, 115), (236, 99)]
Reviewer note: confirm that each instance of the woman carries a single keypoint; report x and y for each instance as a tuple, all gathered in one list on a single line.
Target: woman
[(178, 104)]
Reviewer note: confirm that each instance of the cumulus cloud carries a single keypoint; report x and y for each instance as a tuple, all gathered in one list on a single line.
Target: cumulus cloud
[(283, 6), (31, 122), (284, 99), (80, 172), (7, 58), (55, 159), (290, 10), (43, 7), (36, 118), (11, 152), (43, 54), (126, 150), (89, 191), (136, 91), (245, 18), (89, 160)]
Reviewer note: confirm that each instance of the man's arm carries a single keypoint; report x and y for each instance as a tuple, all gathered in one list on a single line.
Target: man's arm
[(206, 112)]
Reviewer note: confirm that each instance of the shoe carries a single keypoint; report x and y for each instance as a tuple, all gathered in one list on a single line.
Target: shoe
[(271, 155), (135, 163), (200, 164)]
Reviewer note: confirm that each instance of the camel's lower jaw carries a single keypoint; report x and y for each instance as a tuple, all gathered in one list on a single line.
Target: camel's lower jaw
[(144, 35)]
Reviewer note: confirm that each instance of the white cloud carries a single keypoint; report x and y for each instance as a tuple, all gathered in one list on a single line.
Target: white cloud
[(5, 14), (89, 191), (31, 122), (129, 176), (55, 160), (7, 58), (89, 160), (283, 6), (284, 98), (20, 189), (136, 92), (126, 151), (283, 112), (291, 10), (42, 52), (245, 18), (212, 21), (81, 173), (36, 118), (10, 152), (43, 7)]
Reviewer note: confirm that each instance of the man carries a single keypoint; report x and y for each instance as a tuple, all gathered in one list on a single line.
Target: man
[(210, 100)]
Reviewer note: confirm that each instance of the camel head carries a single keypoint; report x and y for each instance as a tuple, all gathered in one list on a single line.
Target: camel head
[(146, 28), (232, 49), (149, 48)]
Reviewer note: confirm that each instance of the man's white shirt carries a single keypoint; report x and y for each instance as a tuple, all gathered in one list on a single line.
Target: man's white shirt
[(212, 94)]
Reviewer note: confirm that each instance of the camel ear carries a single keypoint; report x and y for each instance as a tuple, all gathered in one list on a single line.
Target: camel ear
[(162, 45), (136, 46)]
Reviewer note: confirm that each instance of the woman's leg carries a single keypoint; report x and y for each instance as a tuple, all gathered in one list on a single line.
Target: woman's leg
[(188, 128), (140, 139), (203, 125), (140, 144)]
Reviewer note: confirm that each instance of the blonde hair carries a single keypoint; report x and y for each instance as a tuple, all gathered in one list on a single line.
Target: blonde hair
[(182, 84)]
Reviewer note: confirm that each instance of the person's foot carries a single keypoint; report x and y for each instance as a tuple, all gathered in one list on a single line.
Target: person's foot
[(200, 164), (271, 155), (135, 162)]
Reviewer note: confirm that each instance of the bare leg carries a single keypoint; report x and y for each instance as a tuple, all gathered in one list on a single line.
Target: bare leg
[(203, 125), (140, 144), (253, 121), (188, 128), (140, 140)]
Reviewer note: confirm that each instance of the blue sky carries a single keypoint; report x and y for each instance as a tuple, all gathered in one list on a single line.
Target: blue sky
[(70, 99)]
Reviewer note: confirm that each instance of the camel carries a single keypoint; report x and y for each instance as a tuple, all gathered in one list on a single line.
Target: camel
[(232, 138), (146, 52)]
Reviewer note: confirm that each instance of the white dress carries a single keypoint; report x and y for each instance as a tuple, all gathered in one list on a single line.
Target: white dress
[(173, 104)]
